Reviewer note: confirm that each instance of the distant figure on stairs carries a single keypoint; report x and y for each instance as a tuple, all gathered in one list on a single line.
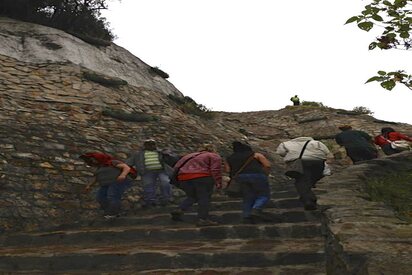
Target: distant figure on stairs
[(198, 173), (313, 158), (112, 176), (295, 99), (150, 164), (250, 169), (359, 145), (391, 141)]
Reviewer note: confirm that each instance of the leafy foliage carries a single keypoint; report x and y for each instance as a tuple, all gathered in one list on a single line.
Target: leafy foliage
[(389, 80), (362, 110), (395, 18), (81, 18), (189, 106)]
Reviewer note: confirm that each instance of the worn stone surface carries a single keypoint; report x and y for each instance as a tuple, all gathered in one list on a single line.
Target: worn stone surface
[(28, 42), (147, 241), (365, 237), (50, 114)]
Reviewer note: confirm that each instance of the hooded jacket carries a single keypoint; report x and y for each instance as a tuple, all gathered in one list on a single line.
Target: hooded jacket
[(315, 150)]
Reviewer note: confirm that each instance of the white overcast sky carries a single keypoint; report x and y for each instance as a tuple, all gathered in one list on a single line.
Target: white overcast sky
[(253, 55)]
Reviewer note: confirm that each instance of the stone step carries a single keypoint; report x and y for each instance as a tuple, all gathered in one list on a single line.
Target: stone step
[(304, 269), (308, 269), (277, 194), (294, 215), (124, 234), (230, 204), (145, 255)]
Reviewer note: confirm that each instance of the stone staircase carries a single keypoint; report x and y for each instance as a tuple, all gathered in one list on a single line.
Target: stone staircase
[(149, 242)]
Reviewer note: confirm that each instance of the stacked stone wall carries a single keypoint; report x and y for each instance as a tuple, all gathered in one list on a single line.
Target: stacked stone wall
[(50, 114)]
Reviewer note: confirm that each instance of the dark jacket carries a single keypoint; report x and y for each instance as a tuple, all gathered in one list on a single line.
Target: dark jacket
[(237, 159), (354, 139)]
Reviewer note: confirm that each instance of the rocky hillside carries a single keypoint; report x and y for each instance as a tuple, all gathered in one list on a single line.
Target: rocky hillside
[(61, 97), (55, 107)]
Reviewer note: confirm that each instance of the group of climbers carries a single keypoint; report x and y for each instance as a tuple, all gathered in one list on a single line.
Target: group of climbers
[(198, 173), (314, 155)]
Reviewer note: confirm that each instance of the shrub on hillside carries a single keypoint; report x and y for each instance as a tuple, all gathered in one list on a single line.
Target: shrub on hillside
[(394, 190), (159, 72), (362, 110), (312, 104), (189, 106), (81, 18)]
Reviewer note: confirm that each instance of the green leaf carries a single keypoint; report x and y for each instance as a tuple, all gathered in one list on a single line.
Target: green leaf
[(400, 3), (352, 19), (388, 85), (387, 3), (391, 35), (372, 45), (365, 26), (377, 17), (404, 34), (381, 73), (393, 13), (375, 78)]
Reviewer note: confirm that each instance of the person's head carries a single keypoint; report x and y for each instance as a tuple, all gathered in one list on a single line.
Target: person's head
[(207, 147), (345, 127), (149, 144), (241, 147), (387, 130), (96, 159)]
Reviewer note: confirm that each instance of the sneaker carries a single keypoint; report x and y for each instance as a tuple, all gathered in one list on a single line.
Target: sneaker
[(258, 214), (203, 222), (248, 220), (311, 207), (177, 215), (110, 217)]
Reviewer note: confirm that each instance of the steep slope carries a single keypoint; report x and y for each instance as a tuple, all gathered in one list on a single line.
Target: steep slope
[(39, 44), (59, 102)]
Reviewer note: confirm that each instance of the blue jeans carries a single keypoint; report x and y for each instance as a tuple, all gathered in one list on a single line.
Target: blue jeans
[(151, 180), (110, 196), (255, 190)]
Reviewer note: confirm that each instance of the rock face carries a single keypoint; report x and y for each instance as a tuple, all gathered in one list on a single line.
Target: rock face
[(57, 105), (34, 43)]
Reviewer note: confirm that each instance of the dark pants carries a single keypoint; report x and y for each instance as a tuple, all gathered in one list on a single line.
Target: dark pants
[(198, 190), (109, 196), (388, 150), (360, 154), (312, 172), (255, 190)]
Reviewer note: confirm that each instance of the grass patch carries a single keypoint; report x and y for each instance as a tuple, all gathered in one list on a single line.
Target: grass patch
[(159, 72), (313, 104), (104, 79), (394, 190), (131, 117), (189, 106)]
